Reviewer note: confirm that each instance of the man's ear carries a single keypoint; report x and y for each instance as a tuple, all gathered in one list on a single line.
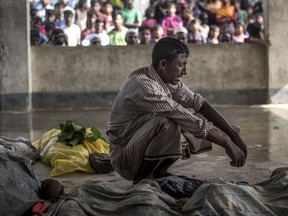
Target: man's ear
[(162, 64)]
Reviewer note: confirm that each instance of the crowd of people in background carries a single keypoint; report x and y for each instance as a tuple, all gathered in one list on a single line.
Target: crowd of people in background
[(124, 22)]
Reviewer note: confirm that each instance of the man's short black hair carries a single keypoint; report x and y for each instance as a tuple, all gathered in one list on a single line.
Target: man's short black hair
[(168, 48)]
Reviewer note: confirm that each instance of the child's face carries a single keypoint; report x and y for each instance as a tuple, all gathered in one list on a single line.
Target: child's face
[(108, 8), (51, 18), (159, 32), (97, 6), (69, 18), (118, 20), (145, 36), (93, 19), (239, 30), (171, 10)]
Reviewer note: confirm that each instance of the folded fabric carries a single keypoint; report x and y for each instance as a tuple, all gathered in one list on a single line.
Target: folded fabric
[(66, 159)]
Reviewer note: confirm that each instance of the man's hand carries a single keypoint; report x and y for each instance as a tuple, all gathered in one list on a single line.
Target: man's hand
[(236, 139), (235, 153)]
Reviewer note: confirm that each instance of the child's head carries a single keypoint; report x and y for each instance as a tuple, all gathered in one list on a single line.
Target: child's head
[(99, 25), (150, 12), (35, 37), (117, 19), (36, 23), (49, 27), (91, 18), (59, 38), (50, 16), (96, 6), (69, 17), (158, 32), (214, 31), (171, 9), (108, 8), (194, 26), (83, 5), (249, 10), (204, 18), (239, 29), (225, 38), (144, 35)]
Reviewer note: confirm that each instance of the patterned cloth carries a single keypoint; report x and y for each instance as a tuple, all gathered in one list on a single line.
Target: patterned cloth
[(145, 95), (213, 197), (144, 104)]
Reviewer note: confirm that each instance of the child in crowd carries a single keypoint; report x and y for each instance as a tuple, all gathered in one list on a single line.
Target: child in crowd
[(131, 15), (59, 15), (99, 37), (150, 20), (172, 20), (144, 35), (81, 14), (96, 7), (239, 35), (108, 10), (194, 33), (118, 34), (71, 30), (204, 28), (90, 25), (213, 35), (158, 33)]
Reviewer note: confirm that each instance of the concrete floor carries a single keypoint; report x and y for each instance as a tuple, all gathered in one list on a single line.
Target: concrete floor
[(264, 129)]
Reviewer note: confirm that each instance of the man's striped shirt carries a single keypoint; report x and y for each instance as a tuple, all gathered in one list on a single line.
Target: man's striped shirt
[(145, 95)]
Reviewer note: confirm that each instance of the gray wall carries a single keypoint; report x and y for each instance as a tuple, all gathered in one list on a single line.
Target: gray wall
[(88, 76), (278, 52), (14, 59)]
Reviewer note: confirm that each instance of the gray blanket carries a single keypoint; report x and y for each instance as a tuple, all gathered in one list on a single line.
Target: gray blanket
[(213, 197)]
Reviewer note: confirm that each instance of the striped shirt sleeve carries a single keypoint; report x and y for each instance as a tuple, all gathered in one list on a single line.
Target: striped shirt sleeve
[(152, 98)]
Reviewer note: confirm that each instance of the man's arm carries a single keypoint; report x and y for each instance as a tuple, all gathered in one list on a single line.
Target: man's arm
[(212, 115), (235, 153)]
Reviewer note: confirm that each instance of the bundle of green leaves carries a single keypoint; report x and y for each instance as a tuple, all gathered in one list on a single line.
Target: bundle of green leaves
[(73, 134)]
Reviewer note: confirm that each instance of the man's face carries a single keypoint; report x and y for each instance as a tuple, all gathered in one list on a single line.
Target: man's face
[(181, 36), (145, 36), (173, 71), (132, 38)]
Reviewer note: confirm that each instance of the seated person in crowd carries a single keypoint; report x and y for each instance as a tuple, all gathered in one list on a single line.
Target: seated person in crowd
[(151, 112)]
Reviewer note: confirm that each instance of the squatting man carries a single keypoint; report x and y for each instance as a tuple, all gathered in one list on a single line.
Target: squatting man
[(151, 112)]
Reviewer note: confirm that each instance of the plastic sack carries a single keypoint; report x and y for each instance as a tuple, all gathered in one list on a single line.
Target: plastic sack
[(65, 159)]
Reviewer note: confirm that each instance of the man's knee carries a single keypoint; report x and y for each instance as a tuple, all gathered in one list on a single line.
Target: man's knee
[(167, 123)]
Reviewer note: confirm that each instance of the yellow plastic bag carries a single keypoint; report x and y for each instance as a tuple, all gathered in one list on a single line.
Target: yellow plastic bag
[(65, 159)]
